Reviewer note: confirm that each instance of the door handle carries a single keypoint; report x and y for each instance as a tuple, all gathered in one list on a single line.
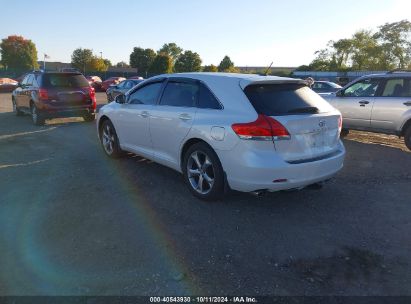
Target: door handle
[(363, 102), (185, 117), (408, 103), (144, 114)]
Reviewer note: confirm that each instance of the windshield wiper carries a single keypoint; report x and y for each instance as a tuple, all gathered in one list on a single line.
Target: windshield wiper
[(311, 110)]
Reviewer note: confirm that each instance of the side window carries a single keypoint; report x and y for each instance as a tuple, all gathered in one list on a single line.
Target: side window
[(180, 94), (30, 80), (146, 95), (207, 100), (128, 85), (24, 82), (362, 88), (317, 85), (397, 87)]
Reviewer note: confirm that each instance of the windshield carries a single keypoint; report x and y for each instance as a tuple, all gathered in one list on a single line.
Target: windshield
[(65, 80)]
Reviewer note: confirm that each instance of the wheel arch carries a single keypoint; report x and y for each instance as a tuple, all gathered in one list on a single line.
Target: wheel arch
[(406, 125)]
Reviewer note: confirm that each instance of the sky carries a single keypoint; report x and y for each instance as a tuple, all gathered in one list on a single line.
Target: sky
[(252, 32)]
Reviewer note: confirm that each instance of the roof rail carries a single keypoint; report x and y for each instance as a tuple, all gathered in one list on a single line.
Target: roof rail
[(399, 71)]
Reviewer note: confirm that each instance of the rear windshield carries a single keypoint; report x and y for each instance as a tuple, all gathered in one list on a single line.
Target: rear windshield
[(285, 99), (65, 81)]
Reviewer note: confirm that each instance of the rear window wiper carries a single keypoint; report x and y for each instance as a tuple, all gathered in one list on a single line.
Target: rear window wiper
[(311, 110)]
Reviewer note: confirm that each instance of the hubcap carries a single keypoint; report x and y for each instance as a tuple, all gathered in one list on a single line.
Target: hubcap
[(200, 172), (108, 139)]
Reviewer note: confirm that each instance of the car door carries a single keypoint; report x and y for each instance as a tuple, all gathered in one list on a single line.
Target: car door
[(26, 92), (356, 102), (389, 108), (132, 118), (20, 91), (172, 118)]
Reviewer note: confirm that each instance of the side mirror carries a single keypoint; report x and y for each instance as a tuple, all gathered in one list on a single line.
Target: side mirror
[(339, 93), (120, 99)]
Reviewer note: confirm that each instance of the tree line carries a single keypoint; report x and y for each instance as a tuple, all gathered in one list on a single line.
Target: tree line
[(20, 54), (387, 48)]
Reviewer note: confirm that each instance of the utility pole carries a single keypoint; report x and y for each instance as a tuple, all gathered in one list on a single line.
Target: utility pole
[(101, 55)]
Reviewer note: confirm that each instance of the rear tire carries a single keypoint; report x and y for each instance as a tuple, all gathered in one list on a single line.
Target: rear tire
[(109, 140), (344, 133), (407, 137), (203, 172), (36, 116), (89, 117)]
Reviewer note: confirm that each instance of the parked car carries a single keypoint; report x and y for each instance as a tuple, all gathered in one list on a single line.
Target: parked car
[(95, 82), (245, 132), (7, 85), (54, 94), (377, 103), (121, 88), (325, 87), (110, 81), (69, 70), (136, 77)]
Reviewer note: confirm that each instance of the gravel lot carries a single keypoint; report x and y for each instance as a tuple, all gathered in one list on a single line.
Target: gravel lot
[(73, 222)]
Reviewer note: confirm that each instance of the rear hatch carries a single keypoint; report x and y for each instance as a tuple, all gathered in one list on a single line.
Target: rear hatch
[(67, 89), (312, 123)]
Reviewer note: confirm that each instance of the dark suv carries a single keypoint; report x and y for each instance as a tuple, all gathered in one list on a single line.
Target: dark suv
[(54, 94)]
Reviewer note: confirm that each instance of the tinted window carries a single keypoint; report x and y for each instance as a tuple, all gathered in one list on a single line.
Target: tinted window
[(24, 82), (65, 81), (206, 99), (147, 94), (363, 88), (397, 87), (180, 94), (285, 99), (128, 85), (30, 80)]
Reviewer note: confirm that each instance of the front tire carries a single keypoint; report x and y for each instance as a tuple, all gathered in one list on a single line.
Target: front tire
[(407, 137), (109, 140), (36, 116), (16, 110), (203, 172)]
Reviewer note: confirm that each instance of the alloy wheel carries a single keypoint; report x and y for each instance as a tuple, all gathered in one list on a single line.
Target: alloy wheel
[(108, 139), (200, 172)]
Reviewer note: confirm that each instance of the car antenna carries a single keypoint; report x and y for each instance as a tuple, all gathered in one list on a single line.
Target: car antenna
[(266, 71)]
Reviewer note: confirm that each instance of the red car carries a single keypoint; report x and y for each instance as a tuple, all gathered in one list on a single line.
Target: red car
[(7, 85), (110, 81), (95, 82)]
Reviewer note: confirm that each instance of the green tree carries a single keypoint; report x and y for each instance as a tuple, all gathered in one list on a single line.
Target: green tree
[(225, 65), (210, 68), (81, 58), (188, 62), (395, 42), (107, 63), (142, 59), (172, 50), (18, 53), (162, 64), (97, 64)]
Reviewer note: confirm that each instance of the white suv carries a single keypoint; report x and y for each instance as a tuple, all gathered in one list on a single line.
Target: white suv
[(377, 103), (245, 132)]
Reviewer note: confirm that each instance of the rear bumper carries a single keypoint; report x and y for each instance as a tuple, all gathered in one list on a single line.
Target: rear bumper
[(67, 112), (257, 170)]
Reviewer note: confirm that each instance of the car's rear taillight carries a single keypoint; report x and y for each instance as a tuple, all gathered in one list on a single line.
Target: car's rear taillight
[(43, 94), (264, 128), (340, 123), (92, 94)]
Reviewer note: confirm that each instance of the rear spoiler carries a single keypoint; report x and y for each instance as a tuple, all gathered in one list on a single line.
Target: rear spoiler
[(245, 82)]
